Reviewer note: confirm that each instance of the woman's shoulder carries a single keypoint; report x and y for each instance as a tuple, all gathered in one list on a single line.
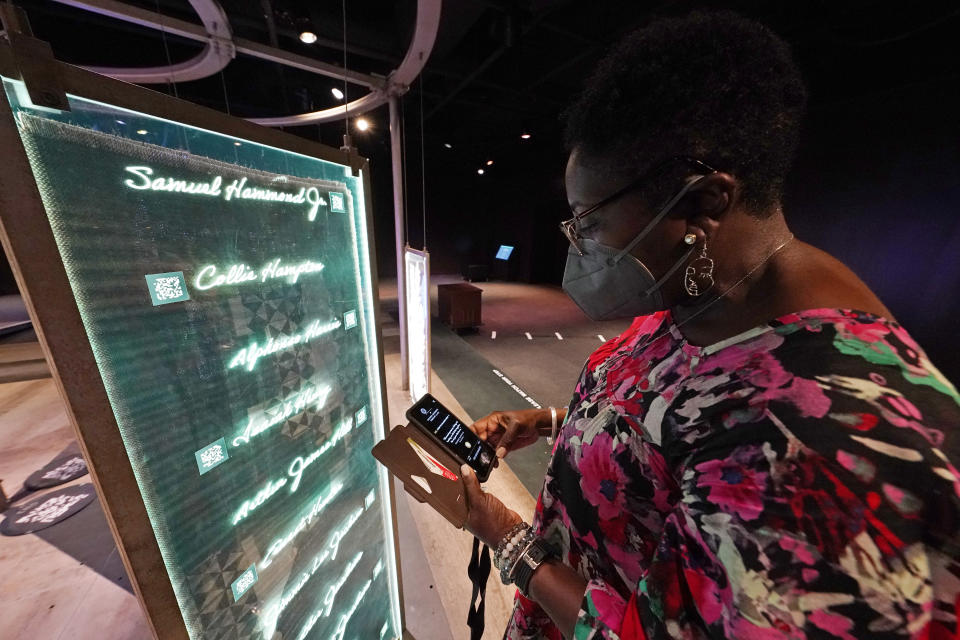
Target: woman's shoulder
[(838, 343), (833, 364)]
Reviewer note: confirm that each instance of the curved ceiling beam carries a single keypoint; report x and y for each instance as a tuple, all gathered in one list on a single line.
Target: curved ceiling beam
[(198, 33), (424, 36), (217, 52)]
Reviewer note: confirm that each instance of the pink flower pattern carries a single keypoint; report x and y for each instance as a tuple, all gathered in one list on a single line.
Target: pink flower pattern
[(801, 483)]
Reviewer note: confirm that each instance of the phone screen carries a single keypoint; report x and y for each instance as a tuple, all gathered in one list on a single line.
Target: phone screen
[(447, 428)]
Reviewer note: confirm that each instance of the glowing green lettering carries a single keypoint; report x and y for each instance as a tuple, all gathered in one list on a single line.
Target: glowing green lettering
[(313, 197), (300, 463), (345, 618), (261, 496), (208, 277), (329, 553), (172, 185), (310, 397), (292, 273), (236, 274), (283, 542), (248, 356), (330, 596), (334, 589), (237, 189), (141, 172)]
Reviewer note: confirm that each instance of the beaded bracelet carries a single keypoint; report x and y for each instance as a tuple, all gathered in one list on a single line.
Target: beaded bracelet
[(512, 557), (511, 538)]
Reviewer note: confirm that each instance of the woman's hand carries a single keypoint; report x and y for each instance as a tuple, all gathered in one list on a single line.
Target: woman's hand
[(507, 431), (487, 517)]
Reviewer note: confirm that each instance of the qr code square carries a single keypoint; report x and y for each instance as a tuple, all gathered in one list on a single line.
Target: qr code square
[(168, 288), (244, 582), (337, 203), (212, 456)]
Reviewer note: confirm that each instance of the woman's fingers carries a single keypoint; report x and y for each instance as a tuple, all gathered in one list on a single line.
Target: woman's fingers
[(472, 485), (489, 428), (511, 428), (506, 431), (487, 517)]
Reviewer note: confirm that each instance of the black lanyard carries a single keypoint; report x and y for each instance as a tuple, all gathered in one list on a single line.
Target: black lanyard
[(479, 571)]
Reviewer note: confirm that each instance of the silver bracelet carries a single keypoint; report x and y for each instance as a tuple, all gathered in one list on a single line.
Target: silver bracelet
[(512, 574), (553, 425)]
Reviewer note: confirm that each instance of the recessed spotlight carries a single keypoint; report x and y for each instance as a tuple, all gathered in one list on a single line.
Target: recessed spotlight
[(142, 132), (448, 145), (480, 171), (337, 93), (362, 124), (308, 37), (237, 144), (489, 163), (121, 122), (525, 136)]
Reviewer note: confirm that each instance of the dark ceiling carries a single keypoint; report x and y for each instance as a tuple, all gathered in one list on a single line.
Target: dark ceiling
[(500, 66)]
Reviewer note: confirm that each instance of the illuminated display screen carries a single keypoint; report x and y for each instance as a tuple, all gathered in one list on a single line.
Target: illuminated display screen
[(226, 291), (504, 252), (417, 266)]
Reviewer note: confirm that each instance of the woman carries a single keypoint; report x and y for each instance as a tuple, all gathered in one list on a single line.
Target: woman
[(765, 452)]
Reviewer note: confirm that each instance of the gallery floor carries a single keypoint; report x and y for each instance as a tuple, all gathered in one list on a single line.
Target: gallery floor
[(67, 582)]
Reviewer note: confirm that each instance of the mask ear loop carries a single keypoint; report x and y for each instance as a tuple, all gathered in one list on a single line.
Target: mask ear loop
[(672, 270), (663, 212)]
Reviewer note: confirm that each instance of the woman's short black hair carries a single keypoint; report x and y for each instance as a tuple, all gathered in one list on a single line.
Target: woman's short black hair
[(712, 85)]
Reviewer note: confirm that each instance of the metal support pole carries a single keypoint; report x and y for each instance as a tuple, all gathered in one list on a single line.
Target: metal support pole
[(396, 148)]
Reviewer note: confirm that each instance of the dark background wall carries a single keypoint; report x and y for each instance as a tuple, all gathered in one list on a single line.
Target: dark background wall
[(876, 183)]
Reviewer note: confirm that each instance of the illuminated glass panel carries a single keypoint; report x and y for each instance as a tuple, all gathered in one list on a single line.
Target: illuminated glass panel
[(417, 268), (227, 296)]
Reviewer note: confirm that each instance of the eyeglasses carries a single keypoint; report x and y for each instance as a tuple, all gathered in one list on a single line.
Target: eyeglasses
[(571, 227)]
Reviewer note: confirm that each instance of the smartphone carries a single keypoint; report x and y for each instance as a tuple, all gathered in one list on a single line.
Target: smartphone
[(453, 435)]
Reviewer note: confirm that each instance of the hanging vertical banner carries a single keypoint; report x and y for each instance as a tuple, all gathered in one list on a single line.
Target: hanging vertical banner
[(417, 267), (224, 350)]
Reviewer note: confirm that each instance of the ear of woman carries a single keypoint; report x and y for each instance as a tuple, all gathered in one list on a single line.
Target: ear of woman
[(714, 195)]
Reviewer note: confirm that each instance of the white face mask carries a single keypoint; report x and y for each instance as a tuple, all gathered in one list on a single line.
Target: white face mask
[(608, 283)]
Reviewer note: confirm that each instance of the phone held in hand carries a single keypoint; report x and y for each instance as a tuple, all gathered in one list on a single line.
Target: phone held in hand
[(450, 433)]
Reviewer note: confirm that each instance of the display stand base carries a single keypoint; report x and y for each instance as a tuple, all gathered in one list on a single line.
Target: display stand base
[(47, 510), (67, 466)]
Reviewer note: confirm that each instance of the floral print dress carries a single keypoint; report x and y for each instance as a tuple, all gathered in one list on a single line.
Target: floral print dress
[(795, 481)]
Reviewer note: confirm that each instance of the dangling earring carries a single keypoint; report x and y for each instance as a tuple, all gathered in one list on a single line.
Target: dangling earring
[(698, 278)]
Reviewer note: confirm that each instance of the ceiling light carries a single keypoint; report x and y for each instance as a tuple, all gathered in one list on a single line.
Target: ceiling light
[(236, 144), (480, 171), (448, 145), (308, 37), (121, 122), (142, 132), (337, 93), (489, 163), (524, 136), (362, 124)]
